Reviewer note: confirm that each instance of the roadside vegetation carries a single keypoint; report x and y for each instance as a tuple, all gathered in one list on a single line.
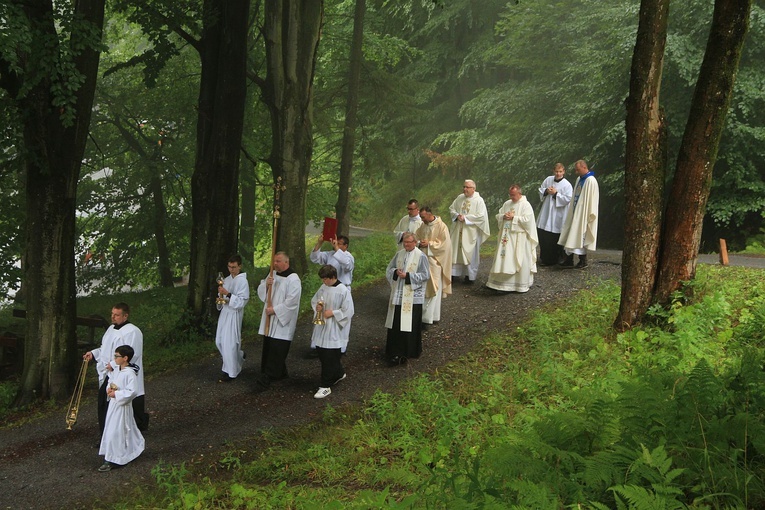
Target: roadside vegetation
[(558, 412)]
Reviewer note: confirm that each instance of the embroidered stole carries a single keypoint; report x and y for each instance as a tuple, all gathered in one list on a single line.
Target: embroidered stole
[(407, 294)]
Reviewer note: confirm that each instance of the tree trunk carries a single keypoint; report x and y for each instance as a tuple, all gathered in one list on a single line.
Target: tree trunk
[(247, 228), (215, 182), (645, 166), (160, 219), (343, 208), (291, 32), (698, 150), (54, 144)]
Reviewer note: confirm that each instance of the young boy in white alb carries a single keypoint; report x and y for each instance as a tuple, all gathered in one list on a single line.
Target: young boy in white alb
[(121, 441)]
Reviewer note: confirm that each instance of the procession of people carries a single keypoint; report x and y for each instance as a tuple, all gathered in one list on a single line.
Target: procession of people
[(430, 258)]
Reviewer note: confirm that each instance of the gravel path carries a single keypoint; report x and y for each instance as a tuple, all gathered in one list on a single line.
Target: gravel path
[(194, 418)]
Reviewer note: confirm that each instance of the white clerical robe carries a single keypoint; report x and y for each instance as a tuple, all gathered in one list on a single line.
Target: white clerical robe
[(121, 441), (580, 228), (553, 208), (407, 291), (515, 262), (335, 331), (228, 337), (467, 236), (406, 224), (341, 260), (285, 299), (125, 334), (439, 252)]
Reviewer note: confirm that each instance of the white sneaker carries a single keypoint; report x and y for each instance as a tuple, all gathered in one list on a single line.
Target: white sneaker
[(343, 377), (323, 392)]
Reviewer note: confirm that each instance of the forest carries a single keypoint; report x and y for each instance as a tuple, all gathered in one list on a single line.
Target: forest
[(144, 142)]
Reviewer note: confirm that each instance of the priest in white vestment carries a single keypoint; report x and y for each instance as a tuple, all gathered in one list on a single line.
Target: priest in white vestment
[(555, 194), (228, 337), (334, 304), (515, 262), (121, 332), (281, 313), (121, 441), (407, 273), (434, 240), (409, 223), (579, 234), (469, 228)]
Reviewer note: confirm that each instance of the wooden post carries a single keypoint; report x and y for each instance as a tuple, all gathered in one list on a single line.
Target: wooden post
[(723, 252)]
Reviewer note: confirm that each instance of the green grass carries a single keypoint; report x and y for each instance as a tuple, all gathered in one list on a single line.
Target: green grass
[(669, 415)]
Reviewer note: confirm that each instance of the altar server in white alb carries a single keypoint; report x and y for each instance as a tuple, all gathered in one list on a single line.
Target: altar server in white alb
[(515, 262), (555, 194), (339, 257), (579, 234), (409, 223), (332, 303), (281, 313), (228, 338), (121, 332), (407, 273), (433, 240), (469, 228), (121, 441)]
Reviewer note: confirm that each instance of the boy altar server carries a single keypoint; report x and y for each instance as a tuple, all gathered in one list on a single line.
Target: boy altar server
[(121, 441), (334, 305)]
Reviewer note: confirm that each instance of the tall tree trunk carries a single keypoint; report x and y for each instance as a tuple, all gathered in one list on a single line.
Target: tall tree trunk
[(215, 182), (160, 219), (343, 208), (54, 144), (247, 228), (247, 174), (645, 166), (698, 150), (291, 32)]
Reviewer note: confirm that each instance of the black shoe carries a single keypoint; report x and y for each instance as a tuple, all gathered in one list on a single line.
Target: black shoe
[(244, 355), (582, 262), (226, 378), (468, 280), (397, 360), (264, 382), (567, 262)]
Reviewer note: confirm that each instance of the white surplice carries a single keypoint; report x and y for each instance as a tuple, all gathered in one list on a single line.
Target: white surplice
[(334, 333), (125, 334), (121, 441), (285, 299), (228, 337)]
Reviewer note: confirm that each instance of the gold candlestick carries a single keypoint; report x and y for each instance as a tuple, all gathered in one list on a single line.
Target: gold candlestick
[(220, 300)]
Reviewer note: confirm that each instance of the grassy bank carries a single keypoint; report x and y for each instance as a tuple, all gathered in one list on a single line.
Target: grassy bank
[(559, 413)]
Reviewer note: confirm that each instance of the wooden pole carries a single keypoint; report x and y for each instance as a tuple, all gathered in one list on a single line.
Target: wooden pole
[(723, 252), (278, 188)]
